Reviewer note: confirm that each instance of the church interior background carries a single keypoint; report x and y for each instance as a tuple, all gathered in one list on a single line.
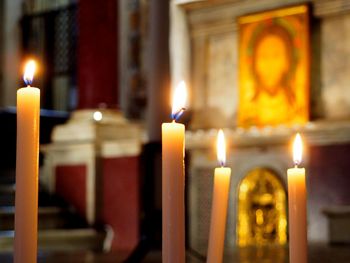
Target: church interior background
[(260, 70)]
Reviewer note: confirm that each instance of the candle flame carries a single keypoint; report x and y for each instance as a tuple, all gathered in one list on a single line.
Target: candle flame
[(29, 72), (179, 100), (221, 148), (297, 149)]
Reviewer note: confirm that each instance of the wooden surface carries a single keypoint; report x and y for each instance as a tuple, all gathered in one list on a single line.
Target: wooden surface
[(317, 254)]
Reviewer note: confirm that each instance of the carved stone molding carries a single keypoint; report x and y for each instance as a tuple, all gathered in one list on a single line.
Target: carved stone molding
[(315, 133), (321, 7), (324, 8)]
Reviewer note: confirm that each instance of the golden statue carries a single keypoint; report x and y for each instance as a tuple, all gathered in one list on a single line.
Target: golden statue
[(261, 209)]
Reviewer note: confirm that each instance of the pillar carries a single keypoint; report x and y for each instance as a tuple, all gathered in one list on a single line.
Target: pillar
[(93, 160), (98, 56), (158, 111), (10, 16), (159, 104)]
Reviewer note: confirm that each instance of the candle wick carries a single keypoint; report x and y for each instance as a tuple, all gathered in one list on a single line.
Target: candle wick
[(173, 121), (176, 115), (296, 165)]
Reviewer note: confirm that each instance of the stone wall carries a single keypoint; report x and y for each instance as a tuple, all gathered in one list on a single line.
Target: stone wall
[(211, 62), (335, 66)]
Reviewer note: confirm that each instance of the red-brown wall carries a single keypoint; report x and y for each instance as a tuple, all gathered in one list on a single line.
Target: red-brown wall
[(71, 185), (121, 200), (120, 196)]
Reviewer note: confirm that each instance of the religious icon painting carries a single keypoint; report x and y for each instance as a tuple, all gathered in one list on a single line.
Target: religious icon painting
[(274, 72)]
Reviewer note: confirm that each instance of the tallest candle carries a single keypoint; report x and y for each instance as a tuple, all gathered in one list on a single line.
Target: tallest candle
[(173, 183), (26, 203)]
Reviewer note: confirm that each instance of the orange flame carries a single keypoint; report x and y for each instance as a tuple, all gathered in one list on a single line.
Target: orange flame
[(179, 100), (221, 148), (297, 149), (29, 72)]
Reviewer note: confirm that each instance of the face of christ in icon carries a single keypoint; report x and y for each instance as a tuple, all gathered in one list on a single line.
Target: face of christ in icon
[(274, 68), (272, 60), (272, 63), (272, 71)]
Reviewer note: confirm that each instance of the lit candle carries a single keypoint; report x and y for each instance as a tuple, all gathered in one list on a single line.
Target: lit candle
[(219, 204), (297, 207), (173, 184), (26, 204)]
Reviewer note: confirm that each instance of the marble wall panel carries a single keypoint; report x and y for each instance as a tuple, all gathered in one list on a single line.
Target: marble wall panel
[(335, 66)]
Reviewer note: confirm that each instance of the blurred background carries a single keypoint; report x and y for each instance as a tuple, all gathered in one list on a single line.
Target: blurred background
[(106, 70)]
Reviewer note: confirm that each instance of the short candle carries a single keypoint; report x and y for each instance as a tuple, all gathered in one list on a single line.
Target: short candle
[(297, 207), (222, 177)]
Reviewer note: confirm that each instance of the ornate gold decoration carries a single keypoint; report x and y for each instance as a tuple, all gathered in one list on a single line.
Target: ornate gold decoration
[(261, 209)]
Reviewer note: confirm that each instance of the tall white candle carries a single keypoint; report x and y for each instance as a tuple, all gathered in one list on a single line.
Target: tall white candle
[(26, 203), (222, 177), (297, 207), (173, 182)]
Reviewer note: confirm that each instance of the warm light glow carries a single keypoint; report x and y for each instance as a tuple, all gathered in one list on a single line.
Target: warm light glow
[(297, 149), (97, 116), (29, 72), (221, 148), (179, 100)]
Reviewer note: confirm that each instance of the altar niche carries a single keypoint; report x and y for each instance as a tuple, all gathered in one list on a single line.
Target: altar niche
[(261, 215)]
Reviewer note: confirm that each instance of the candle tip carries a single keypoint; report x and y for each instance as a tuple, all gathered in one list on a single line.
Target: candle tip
[(176, 115)]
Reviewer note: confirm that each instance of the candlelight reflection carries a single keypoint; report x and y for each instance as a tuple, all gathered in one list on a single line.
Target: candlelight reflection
[(97, 116), (262, 254)]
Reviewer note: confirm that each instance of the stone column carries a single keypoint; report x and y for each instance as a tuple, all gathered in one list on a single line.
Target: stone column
[(98, 56), (159, 107), (93, 159), (11, 56), (158, 111)]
